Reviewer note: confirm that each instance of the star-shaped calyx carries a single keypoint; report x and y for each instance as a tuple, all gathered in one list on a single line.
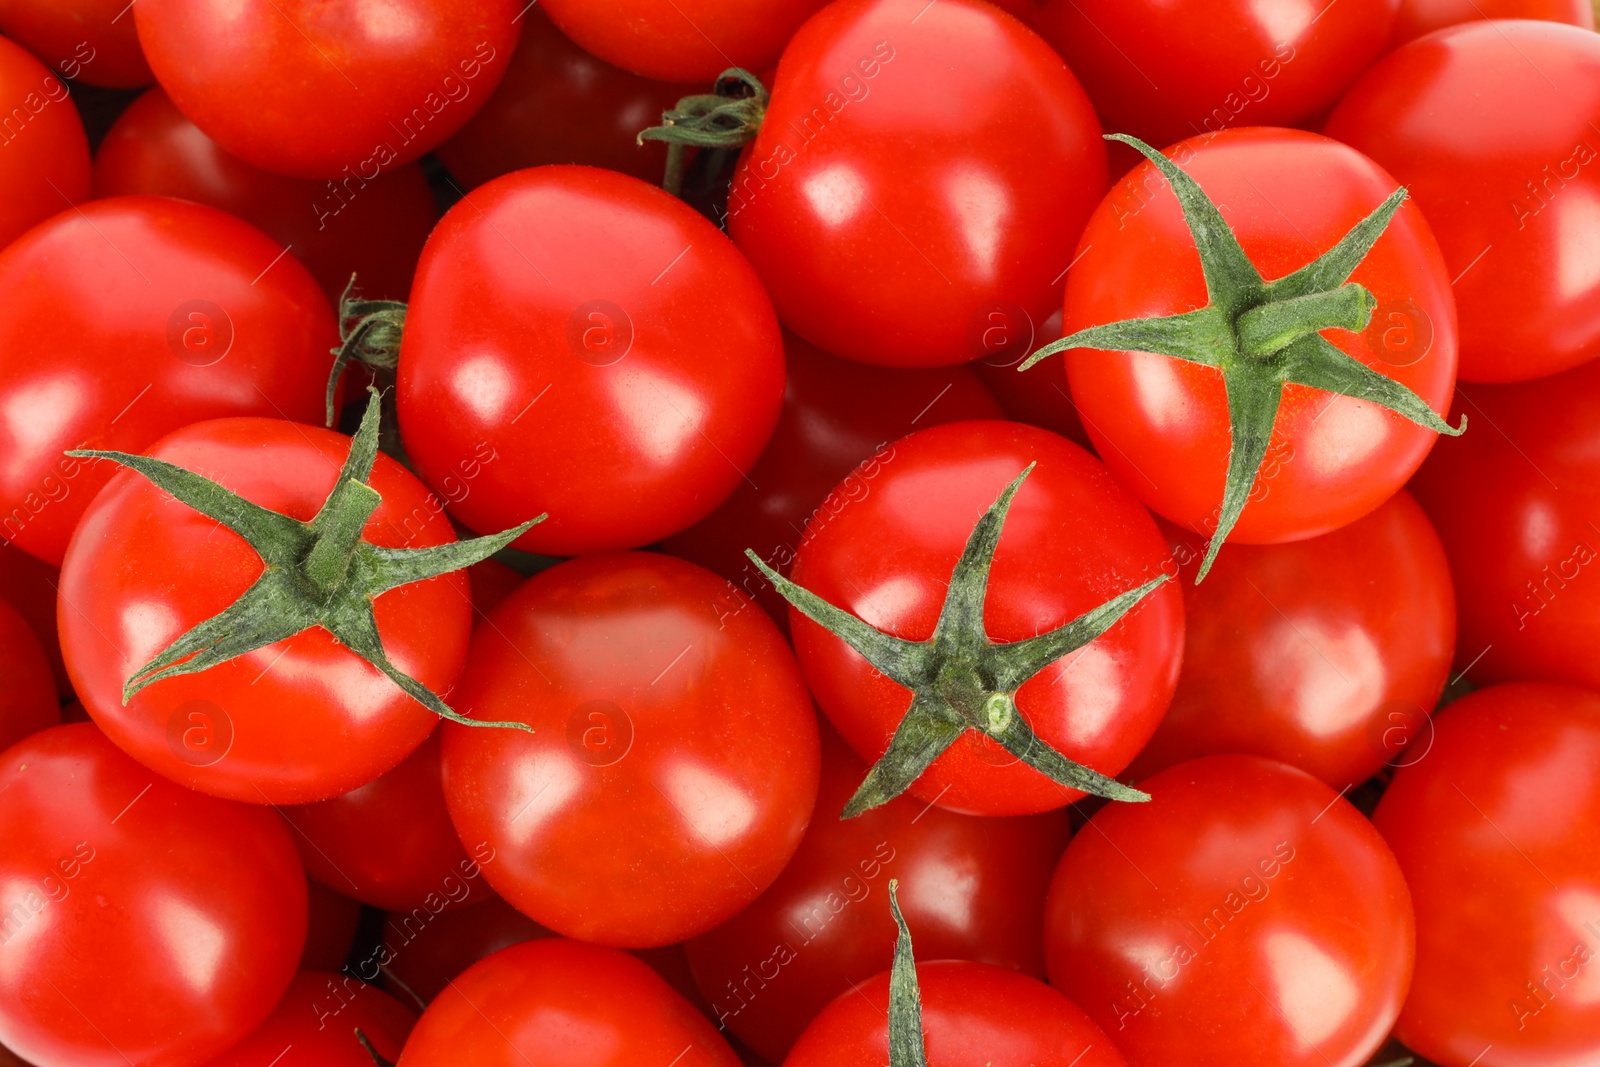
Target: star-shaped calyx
[(318, 573), (959, 679), (1261, 335)]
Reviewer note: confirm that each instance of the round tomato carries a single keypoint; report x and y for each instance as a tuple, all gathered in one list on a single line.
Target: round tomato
[(1418, 17), (669, 720), (93, 41), (143, 922), (320, 90), (315, 1025), (1325, 654), (331, 920), (29, 585), (581, 343), (491, 583), (917, 167), (1247, 914), (1504, 178), (424, 950), (1497, 832), (195, 315), (1011, 337), (28, 701), (563, 1002), (45, 168)]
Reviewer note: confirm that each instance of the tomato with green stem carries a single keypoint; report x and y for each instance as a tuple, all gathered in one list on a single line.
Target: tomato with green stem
[(46, 166)]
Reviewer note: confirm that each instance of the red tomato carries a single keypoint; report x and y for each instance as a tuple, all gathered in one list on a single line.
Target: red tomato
[(321, 90), (821, 928), (372, 228), (972, 1013), (424, 950), (315, 1025), (143, 922), (29, 585), (670, 721), (1497, 833), (1325, 654), (682, 40), (659, 351), (1010, 339), (836, 413), (1418, 17), (1503, 177), (1074, 539), (196, 316), (562, 1002), (331, 920), (1162, 424), (1247, 914), (45, 168), (559, 104), (491, 583), (883, 228), (1516, 505), (28, 701), (298, 720), (92, 41)]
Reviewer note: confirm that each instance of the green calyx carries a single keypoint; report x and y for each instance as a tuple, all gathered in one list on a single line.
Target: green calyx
[(317, 573), (907, 1047), (726, 117), (1261, 335), (369, 332), (958, 678)]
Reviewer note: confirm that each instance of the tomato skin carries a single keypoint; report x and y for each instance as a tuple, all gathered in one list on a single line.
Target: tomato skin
[(971, 1013), (29, 585), (1161, 424), (317, 722), (822, 923), (112, 379), (251, 75), (1073, 540), (860, 256), (626, 448), (27, 692), (165, 889), (1327, 943), (669, 719), (1219, 65), (1506, 805), (425, 950), (87, 40), (491, 583), (1419, 17), (314, 1025), (1531, 305), (331, 920), (559, 1001), (374, 228), (1325, 654), (54, 153)]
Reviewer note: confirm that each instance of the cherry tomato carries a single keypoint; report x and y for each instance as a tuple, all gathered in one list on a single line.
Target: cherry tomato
[(1162, 424), (1516, 504), (836, 413), (93, 41), (320, 90), (27, 692), (29, 585), (563, 1002), (583, 344), (670, 721), (1503, 178), (143, 922), (1164, 72), (424, 951), (315, 1025), (1041, 401), (331, 920), (46, 164), (372, 228), (1419, 17), (1247, 914), (491, 583), (1073, 540), (1497, 832), (1325, 654), (295, 721), (885, 226), (196, 315)]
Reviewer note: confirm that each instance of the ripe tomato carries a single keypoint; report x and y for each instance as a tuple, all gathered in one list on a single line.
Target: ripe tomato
[(93, 41), (581, 343), (563, 1002), (1041, 401), (1073, 540), (821, 928), (1503, 177), (1516, 506), (884, 228), (425, 950), (331, 920), (374, 228), (836, 414), (1325, 654), (1164, 72), (320, 90), (1247, 914), (491, 583), (196, 316), (46, 164), (669, 719), (28, 701), (1497, 833), (142, 922), (559, 104), (29, 585), (1418, 17), (315, 1025), (298, 720)]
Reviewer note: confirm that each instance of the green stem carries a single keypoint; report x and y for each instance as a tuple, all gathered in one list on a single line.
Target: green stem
[(328, 562), (727, 117), (1269, 328)]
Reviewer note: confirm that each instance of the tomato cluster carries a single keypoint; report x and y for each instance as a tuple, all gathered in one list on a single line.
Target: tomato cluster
[(556, 535)]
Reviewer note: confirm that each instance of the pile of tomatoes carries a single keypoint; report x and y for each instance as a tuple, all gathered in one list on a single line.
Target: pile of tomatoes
[(939, 533)]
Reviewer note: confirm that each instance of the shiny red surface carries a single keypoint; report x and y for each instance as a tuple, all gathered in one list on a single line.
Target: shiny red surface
[(45, 168)]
